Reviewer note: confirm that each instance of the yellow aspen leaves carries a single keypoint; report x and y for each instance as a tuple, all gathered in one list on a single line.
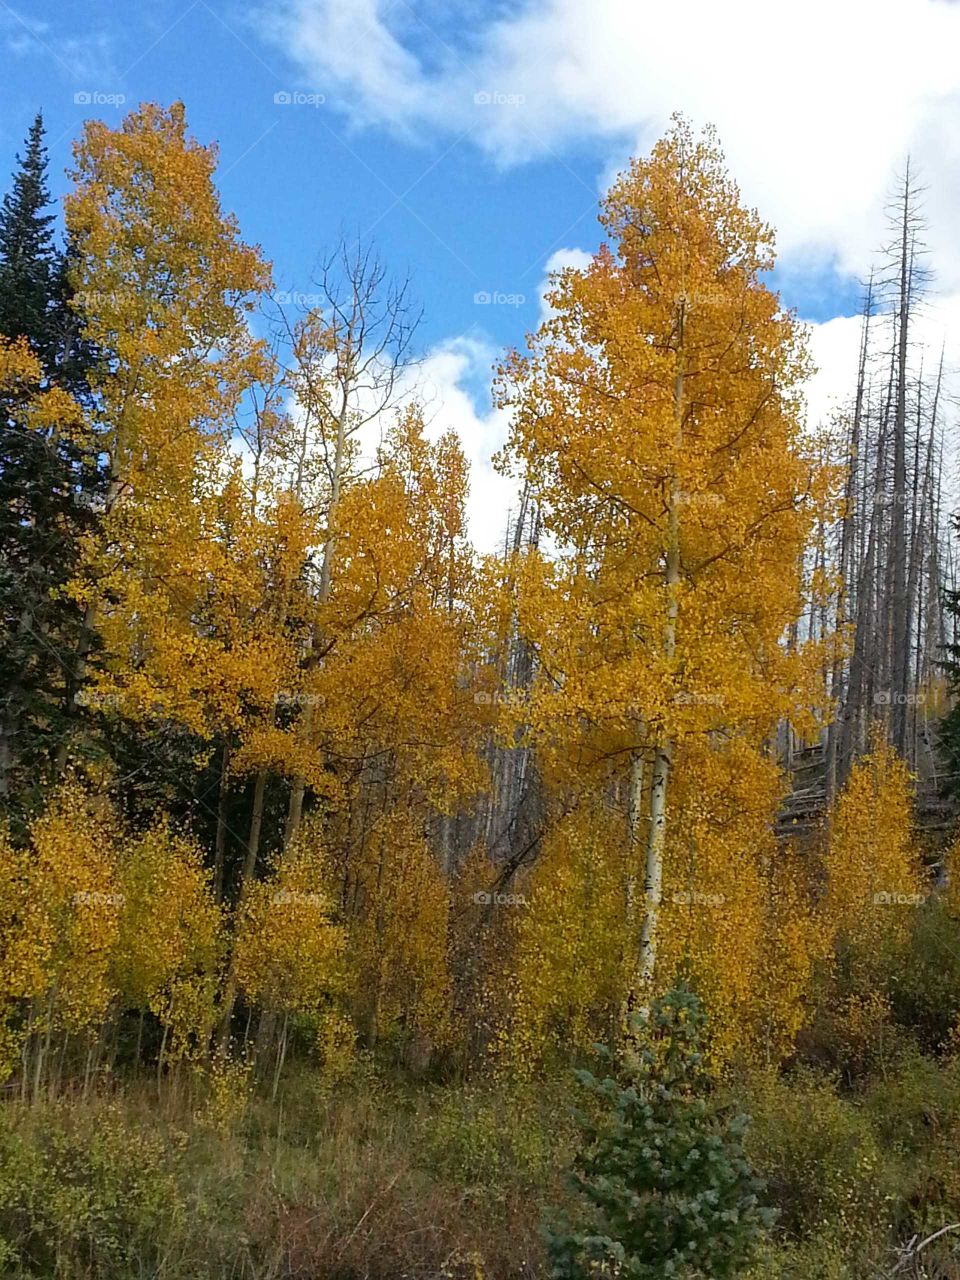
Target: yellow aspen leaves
[(305, 609), (398, 904), (874, 877), (168, 952), (572, 946), (656, 419), (290, 952)]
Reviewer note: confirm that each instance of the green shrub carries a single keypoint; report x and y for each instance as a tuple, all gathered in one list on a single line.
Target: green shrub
[(824, 1256), (915, 1101), (464, 1137), (495, 1138), (83, 1194), (819, 1155), (915, 1110), (925, 992)]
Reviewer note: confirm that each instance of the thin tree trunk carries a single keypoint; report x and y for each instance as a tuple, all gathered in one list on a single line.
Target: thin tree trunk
[(220, 843), (838, 688), (281, 1055), (160, 1055), (249, 867), (634, 822), (256, 826), (663, 748), (899, 603), (653, 871), (298, 789)]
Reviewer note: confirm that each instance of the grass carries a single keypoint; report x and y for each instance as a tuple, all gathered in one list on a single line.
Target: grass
[(378, 1178), (375, 1180)]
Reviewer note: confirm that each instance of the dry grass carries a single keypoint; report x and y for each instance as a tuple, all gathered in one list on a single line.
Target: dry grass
[(371, 1183)]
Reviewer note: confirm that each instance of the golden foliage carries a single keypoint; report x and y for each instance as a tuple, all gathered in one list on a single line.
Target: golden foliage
[(329, 623), (571, 956), (874, 877), (680, 293), (398, 904), (714, 915), (168, 952), (289, 953), (71, 917), (738, 918)]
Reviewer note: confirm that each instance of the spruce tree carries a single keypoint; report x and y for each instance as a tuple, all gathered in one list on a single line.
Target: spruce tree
[(29, 260), (48, 488), (665, 1185)]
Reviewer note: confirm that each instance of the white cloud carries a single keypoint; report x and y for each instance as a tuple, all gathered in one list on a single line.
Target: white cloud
[(558, 261), (450, 379), (89, 57), (835, 347), (453, 385), (816, 104), (455, 377)]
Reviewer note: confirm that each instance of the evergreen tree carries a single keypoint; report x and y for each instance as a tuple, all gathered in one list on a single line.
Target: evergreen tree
[(668, 1188), (29, 261), (48, 486)]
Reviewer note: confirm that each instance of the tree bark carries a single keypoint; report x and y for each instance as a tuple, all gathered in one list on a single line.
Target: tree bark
[(900, 656), (663, 747)]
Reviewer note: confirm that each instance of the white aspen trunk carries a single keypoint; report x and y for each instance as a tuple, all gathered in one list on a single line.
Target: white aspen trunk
[(663, 749), (634, 820), (653, 870)]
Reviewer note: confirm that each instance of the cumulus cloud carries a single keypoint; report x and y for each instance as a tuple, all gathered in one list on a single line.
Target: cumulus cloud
[(815, 104), (558, 260), (454, 385), (456, 374)]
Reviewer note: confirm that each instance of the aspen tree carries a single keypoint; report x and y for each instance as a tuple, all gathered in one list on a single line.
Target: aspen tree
[(164, 282), (657, 418)]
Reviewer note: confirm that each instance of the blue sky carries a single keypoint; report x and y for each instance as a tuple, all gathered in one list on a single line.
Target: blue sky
[(472, 140), (298, 174)]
